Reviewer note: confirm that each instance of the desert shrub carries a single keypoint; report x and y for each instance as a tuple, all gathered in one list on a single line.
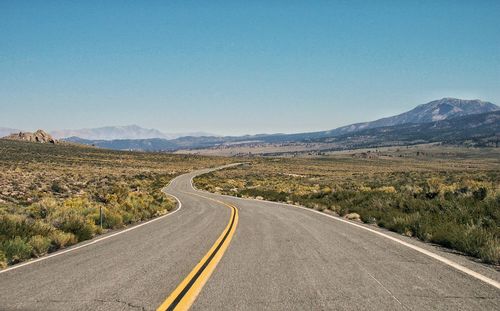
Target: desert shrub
[(447, 234), (490, 251), (19, 225), (11, 226), (82, 206), (386, 189), (78, 225), (480, 194), (472, 240), (140, 206), (39, 227), (40, 245), (16, 249), (3, 260), (57, 187), (42, 209), (269, 194), (127, 217), (136, 206), (404, 224), (368, 218), (61, 239), (111, 219)]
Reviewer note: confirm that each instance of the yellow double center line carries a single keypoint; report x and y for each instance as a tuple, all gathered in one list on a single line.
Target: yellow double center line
[(187, 291)]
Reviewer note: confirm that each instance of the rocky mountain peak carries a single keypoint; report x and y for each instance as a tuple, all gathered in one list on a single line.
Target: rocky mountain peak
[(437, 110)]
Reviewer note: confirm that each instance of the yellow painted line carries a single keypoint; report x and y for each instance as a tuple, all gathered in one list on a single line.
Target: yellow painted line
[(186, 292)]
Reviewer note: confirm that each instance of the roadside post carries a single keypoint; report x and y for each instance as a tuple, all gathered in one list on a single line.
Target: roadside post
[(100, 215)]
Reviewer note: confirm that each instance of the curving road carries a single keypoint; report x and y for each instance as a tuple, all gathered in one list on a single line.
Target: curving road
[(222, 253)]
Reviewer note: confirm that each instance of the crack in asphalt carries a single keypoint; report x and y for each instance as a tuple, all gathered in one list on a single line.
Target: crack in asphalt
[(451, 297), (130, 304)]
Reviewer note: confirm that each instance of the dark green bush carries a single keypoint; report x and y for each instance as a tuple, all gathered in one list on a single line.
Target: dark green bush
[(16, 250), (111, 219), (480, 194), (78, 225), (19, 225), (57, 187)]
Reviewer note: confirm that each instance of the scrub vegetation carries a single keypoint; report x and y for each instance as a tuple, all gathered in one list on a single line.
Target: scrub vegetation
[(448, 196), (51, 195)]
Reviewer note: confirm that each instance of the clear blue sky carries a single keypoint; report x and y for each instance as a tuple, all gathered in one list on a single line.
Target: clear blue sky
[(240, 67)]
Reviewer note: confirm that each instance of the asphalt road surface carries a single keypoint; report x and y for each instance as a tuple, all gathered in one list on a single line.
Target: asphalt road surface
[(222, 253)]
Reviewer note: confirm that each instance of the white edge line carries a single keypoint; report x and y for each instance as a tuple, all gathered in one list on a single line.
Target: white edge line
[(179, 206), (414, 247)]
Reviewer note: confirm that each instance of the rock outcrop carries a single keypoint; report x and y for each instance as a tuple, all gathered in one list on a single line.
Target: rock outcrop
[(353, 216), (39, 136)]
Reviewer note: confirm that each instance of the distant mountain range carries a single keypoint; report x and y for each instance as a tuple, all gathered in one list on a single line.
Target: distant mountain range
[(120, 132), (447, 119)]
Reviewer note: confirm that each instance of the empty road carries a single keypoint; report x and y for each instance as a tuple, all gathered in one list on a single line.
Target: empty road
[(221, 253)]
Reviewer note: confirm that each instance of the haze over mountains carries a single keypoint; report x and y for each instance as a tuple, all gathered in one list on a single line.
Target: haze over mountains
[(5, 131), (426, 122), (120, 132)]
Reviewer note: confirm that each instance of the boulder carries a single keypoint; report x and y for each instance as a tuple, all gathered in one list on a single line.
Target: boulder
[(353, 216), (39, 136)]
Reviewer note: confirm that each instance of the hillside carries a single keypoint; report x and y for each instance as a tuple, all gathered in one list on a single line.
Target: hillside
[(445, 108), (478, 130), (157, 144), (442, 109)]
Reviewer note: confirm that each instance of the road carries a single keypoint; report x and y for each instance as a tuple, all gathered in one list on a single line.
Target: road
[(223, 253)]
